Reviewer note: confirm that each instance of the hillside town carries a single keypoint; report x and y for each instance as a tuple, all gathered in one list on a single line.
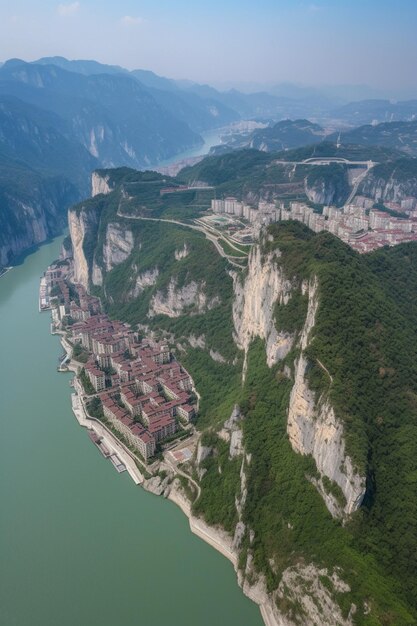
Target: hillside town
[(360, 225), (138, 386)]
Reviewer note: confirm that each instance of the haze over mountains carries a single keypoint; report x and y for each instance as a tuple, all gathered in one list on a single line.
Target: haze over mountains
[(61, 119)]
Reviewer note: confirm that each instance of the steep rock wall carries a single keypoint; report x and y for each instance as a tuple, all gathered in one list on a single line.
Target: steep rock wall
[(146, 279), (313, 428), (118, 245), (254, 304), (100, 184), (175, 301), (393, 188), (29, 218), (82, 224)]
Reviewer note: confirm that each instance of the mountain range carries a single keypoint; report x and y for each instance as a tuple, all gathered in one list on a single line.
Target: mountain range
[(61, 119)]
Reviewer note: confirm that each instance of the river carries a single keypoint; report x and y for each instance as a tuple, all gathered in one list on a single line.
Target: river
[(211, 138), (81, 545)]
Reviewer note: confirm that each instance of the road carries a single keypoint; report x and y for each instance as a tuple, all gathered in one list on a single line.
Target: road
[(200, 229)]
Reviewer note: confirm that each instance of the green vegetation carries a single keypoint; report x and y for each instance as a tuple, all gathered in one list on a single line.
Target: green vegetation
[(220, 486), (365, 335), (286, 512), (352, 152), (79, 353), (85, 381), (231, 251), (332, 178), (95, 409), (333, 489), (290, 317)]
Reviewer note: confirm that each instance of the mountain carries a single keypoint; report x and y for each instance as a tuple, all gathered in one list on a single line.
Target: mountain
[(57, 125), (200, 114), (284, 135), (305, 363), (42, 140), (113, 116), (33, 207), (375, 111), (42, 172), (401, 136)]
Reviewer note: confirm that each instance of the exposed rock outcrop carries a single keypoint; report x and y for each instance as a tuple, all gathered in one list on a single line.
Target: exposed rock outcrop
[(100, 184), (81, 224), (313, 428), (146, 279), (182, 253), (394, 186), (303, 586), (178, 300), (254, 305), (27, 219), (118, 245)]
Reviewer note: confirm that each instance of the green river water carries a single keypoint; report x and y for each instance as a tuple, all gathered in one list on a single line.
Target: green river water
[(81, 545)]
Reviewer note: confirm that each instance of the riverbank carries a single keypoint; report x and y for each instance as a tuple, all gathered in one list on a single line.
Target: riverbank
[(109, 439), (221, 541), (161, 482)]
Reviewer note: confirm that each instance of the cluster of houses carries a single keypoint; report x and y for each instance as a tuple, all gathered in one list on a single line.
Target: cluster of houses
[(143, 390), (265, 213), (362, 227)]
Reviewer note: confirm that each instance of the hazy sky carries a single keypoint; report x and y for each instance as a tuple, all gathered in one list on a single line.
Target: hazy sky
[(326, 41)]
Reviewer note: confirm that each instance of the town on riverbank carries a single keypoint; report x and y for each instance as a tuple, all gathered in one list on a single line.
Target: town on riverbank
[(133, 395)]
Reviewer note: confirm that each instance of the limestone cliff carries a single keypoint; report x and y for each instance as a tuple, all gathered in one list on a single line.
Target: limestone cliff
[(118, 245), (254, 303), (31, 215), (176, 301), (100, 183), (83, 225), (313, 428), (391, 182)]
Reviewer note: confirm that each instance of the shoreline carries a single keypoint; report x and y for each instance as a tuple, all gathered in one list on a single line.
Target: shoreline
[(221, 541), (217, 538)]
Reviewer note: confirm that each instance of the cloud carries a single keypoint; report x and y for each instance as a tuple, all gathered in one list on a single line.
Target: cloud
[(129, 20), (314, 8), (66, 10)]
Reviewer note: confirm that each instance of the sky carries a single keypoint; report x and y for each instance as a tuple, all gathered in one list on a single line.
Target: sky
[(371, 42)]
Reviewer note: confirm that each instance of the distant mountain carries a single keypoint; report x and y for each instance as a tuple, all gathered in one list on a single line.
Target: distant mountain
[(113, 116), (400, 136), (40, 139), (200, 114), (86, 67), (375, 111), (33, 207), (284, 135)]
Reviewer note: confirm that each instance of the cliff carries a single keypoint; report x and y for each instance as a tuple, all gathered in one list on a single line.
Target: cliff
[(314, 429), (296, 480), (391, 182), (32, 209)]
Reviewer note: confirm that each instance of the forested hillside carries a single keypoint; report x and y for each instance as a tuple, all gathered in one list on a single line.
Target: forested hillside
[(310, 324)]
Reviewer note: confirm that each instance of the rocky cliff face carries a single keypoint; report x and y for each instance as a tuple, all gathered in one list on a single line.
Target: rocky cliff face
[(176, 301), (118, 245), (27, 219), (254, 304), (82, 225), (100, 184), (392, 182), (327, 185), (313, 428)]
